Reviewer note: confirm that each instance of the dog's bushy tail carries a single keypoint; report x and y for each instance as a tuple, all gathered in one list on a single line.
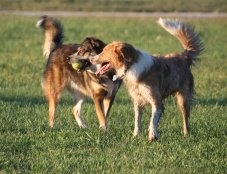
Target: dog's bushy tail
[(53, 31), (186, 35)]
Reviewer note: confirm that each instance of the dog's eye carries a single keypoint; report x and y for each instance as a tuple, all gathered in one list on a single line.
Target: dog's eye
[(80, 52)]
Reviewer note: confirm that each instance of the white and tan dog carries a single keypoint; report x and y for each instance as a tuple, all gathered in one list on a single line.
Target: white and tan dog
[(150, 79)]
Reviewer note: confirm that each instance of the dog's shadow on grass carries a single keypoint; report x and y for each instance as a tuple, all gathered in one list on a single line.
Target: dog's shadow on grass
[(39, 100), (23, 101)]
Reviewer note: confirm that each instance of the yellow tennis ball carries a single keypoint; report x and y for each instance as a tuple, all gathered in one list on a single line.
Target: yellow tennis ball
[(77, 65)]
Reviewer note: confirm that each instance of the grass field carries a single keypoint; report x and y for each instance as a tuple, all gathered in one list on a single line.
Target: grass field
[(28, 145)]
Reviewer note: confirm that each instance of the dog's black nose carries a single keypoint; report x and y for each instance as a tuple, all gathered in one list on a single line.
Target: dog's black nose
[(68, 58)]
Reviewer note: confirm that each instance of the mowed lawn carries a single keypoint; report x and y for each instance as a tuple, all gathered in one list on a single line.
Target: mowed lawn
[(28, 145)]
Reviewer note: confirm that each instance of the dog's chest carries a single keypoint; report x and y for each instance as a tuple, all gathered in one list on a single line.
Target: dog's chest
[(138, 91)]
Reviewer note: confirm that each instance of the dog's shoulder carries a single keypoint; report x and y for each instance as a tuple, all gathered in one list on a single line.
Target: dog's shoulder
[(143, 64)]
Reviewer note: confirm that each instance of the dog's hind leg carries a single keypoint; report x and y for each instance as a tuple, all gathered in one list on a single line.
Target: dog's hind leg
[(52, 97), (52, 89), (78, 99), (184, 102), (52, 112)]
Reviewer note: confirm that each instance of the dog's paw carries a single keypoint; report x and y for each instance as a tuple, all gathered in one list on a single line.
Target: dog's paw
[(152, 138), (83, 125), (152, 135), (52, 124), (136, 133), (104, 128)]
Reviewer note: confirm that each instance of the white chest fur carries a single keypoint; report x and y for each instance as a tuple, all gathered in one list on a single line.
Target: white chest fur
[(143, 64), (139, 91)]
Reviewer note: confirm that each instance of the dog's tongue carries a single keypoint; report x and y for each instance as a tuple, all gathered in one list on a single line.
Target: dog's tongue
[(103, 69)]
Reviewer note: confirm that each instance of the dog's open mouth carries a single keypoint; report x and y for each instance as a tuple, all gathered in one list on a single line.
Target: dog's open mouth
[(106, 67), (82, 64)]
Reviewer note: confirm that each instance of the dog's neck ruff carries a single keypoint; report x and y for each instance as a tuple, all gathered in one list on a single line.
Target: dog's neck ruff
[(144, 62)]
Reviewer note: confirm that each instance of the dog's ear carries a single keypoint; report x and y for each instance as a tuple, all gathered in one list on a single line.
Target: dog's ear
[(94, 43), (126, 52)]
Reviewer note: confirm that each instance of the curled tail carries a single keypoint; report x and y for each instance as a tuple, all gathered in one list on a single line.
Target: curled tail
[(53, 31), (186, 35)]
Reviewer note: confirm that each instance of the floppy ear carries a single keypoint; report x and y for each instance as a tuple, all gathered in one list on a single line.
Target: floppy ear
[(126, 52), (93, 42)]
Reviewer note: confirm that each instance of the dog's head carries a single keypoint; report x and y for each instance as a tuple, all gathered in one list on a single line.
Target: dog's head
[(91, 46), (116, 55)]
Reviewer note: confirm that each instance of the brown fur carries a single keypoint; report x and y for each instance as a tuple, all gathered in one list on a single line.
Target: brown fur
[(150, 79), (60, 75)]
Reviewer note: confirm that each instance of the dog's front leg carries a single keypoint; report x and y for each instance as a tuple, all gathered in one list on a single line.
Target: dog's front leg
[(77, 113), (108, 102), (98, 100), (156, 114), (138, 117)]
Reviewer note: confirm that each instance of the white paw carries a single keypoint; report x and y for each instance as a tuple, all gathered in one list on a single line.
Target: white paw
[(83, 125), (136, 132)]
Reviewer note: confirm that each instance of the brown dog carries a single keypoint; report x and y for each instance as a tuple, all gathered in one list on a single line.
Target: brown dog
[(59, 75), (150, 79)]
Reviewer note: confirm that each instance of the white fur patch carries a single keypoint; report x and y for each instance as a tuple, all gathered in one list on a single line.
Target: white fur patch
[(39, 22), (77, 113), (172, 26), (145, 62)]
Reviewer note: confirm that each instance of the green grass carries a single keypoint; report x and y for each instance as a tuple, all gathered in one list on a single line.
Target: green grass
[(28, 145), (117, 5)]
